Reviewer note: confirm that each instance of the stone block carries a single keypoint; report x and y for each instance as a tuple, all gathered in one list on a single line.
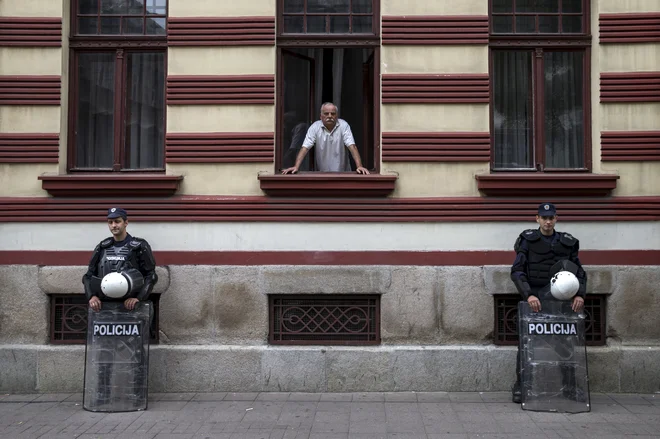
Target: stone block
[(61, 369), (447, 369), (68, 280), (293, 370), (633, 304), (18, 373), (359, 370), (323, 279), (186, 311), (497, 279), (466, 310), (603, 367), (601, 279), (209, 369), (409, 309), (639, 369), (501, 368), (239, 311), (24, 314)]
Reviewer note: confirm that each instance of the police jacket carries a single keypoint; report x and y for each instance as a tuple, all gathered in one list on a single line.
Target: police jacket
[(536, 254), (110, 255)]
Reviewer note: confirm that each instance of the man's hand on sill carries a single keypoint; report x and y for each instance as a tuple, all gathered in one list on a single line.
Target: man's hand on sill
[(294, 170)]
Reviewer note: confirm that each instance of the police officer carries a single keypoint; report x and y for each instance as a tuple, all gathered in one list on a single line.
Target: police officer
[(118, 253), (537, 251)]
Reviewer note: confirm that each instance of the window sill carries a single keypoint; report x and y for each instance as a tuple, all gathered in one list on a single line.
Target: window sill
[(317, 184), (547, 185), (110, 185)]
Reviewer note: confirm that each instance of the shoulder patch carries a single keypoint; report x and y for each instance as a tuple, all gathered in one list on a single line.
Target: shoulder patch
[(531, 235), (567, 239), (106, 242)]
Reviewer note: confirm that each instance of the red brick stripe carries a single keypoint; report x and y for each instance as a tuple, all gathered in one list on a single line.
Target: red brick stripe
[(30, 90), (629, 28), (435, 88), (219, 147), (29, 148), (436, 147), (630, 87), (630, 145), (213, 90), (30, 32), (216, 31), (435, 30)]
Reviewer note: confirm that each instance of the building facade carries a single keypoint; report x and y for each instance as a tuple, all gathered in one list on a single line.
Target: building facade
[(468, 115)]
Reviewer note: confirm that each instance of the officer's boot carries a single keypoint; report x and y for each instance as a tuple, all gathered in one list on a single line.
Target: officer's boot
[(516, 392)]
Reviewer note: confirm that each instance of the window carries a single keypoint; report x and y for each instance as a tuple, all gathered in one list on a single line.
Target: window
[(117, 109), (540, 112), (328, 51)]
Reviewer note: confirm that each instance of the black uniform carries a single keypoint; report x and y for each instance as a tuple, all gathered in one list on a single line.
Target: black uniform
[(535, 256), (111, 255), (119, 256)]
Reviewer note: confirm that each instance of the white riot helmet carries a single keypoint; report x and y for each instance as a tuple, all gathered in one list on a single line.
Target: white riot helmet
[(564, 285), (114, 285)]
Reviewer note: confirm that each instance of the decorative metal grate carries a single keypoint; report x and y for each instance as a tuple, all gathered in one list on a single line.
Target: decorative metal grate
[(506, 318), (68, 319), (324, 319)]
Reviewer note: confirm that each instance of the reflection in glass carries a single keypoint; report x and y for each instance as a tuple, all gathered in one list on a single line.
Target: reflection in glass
[(564, 112), (362, 6), (110, 25), (568, 6), (88, 25), (525, 24), (512, 109), (157, 7), (362, 24), (132, 25), (549, 24), (294, 6), (95, 110), (538, 6), (293, 24), (88, 6), (501, 6), (571, 24), (315, 6), (145, 110), (503, 24), (298, 77), (339, 24), (155, 26), (315, 24)]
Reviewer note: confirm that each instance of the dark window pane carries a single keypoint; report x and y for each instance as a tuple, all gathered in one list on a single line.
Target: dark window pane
[(95, 110), (132, 25), (327, 6), (571, 5), (548, 24), (564, 110), (512, 110), (339, 24), (362, 6), (502, 6), (88, 6), (316, 25), (293, 24), (537, 6), (571, 24), (294, 6), (157, 7), (296, 98), (134, 7), (110, 25), (114, 6), (87, 25), (145, 110), (362, 25), (155, 26), (503, 24), (525, 24)]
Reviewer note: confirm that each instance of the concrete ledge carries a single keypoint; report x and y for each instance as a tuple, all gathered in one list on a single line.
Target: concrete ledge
[(217, 368)]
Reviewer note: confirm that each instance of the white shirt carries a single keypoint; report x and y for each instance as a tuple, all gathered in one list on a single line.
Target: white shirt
[(330, 154)]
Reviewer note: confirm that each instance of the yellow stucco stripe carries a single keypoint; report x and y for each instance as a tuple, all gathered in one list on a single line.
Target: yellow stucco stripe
[(221, 60), (221, 8)]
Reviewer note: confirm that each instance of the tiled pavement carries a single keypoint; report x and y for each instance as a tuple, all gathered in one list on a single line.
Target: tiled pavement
[(327, 416)]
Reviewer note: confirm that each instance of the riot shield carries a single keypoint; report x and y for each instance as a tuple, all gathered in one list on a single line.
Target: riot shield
[(117, 358), (553, 360)]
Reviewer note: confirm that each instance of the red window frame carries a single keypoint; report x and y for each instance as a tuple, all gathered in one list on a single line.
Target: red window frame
[(327, 16), (538, 44), (121, 45)]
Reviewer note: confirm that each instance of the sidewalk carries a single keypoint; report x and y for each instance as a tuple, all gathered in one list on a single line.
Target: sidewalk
[(404, 415)]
